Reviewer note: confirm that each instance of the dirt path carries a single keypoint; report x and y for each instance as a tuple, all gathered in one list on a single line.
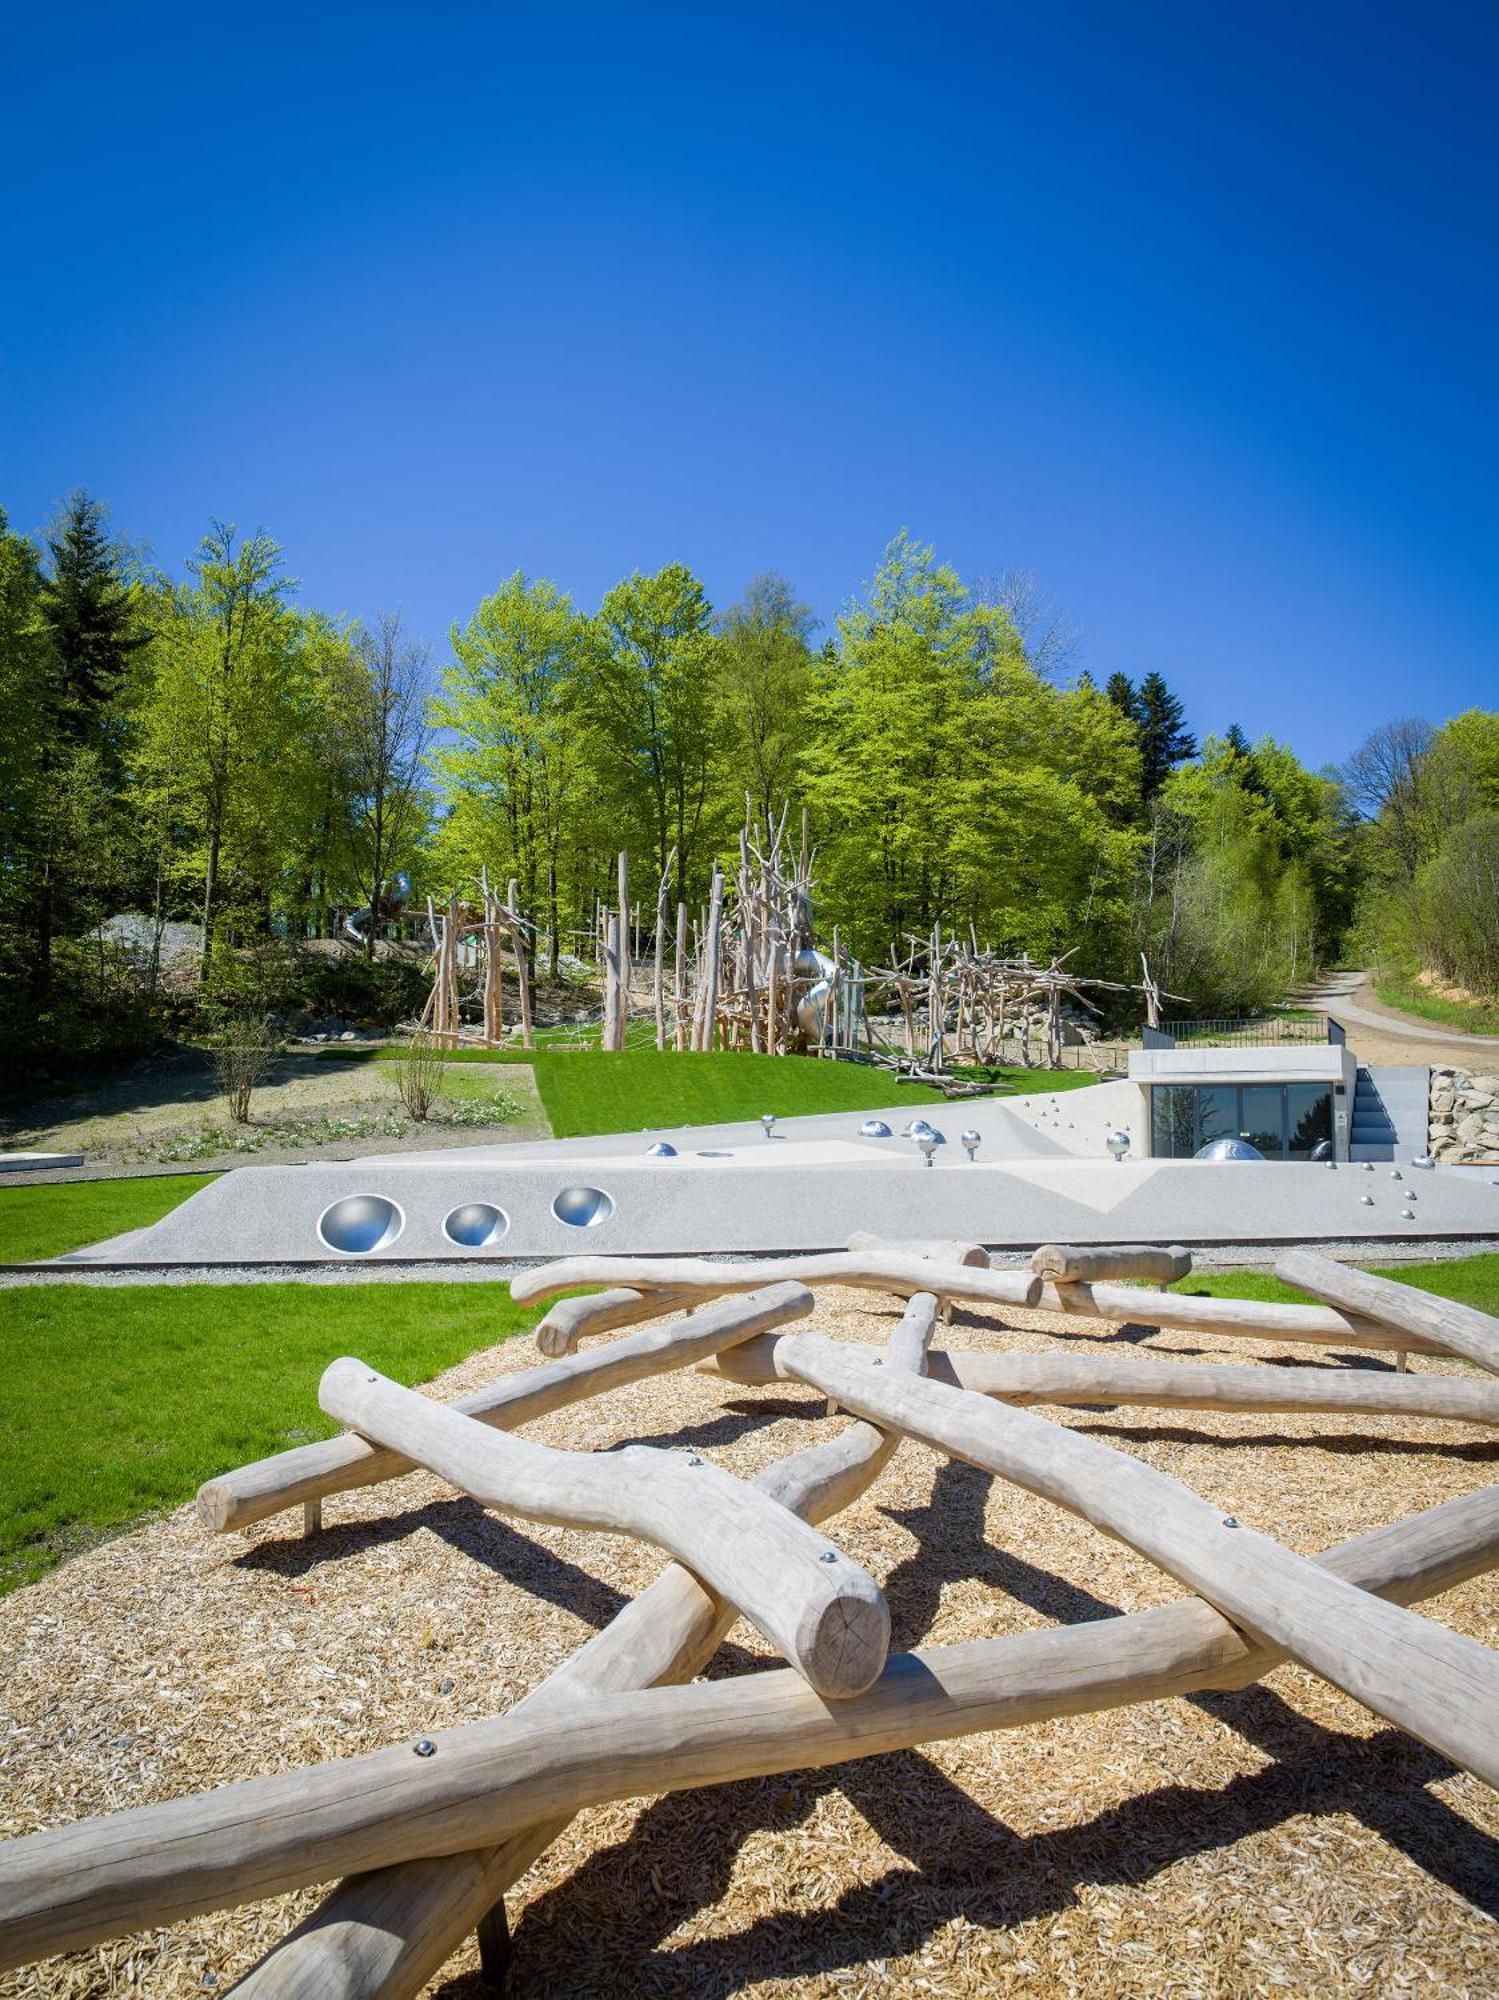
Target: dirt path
[(1378, 1034)]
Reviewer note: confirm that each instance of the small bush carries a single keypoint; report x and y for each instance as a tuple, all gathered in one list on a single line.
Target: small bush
[(417, 1074), (243, 1051)]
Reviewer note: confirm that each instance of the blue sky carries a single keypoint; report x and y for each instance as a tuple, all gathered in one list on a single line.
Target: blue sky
[(1192, 311)]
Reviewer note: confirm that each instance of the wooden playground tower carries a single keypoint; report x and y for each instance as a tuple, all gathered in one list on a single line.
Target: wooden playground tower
[(431, 1832)]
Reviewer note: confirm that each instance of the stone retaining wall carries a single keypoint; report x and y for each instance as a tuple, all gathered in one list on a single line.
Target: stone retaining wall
[(1463, 1125)]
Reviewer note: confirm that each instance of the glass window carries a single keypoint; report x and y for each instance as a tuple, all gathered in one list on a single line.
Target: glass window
[(1259, 1118), (1217, 1113), (1173, 1122), (1309, 1120)]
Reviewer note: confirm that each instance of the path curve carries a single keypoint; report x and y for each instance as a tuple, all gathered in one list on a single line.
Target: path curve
[(1350, 997)]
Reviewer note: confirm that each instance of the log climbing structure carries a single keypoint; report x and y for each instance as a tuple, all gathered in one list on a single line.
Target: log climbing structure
[(423, 1838)]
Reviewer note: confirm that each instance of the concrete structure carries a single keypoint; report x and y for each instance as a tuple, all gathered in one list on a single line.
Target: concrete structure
[(1040, 1173), (1291, 1102)]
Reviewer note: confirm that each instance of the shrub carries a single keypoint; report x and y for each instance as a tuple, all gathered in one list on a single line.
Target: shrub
[(417, 1073), (243, 1051)]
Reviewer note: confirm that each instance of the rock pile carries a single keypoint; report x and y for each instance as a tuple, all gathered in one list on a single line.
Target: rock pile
[(1464, 1116)]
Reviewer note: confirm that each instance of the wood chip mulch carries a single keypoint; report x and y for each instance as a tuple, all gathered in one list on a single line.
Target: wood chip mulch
[(1281, 1840)]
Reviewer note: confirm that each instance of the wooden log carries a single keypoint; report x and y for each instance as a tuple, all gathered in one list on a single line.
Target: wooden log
[(334, 1465), (1437, 1322), (73, 1886), (941, 1251), (1021, 1379), (384, 1935), (1248, 1319), (1083, 1263), (865, 1270), (817, 1608), (570, 1321), (1440, 1686)]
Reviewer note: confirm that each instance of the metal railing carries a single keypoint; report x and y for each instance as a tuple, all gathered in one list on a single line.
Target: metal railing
[(1263, 1032)]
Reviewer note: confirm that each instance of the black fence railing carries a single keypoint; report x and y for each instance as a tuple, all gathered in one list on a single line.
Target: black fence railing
[(1264, 1032)]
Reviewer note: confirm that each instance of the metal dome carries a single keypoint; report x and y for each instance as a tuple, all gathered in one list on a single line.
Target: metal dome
[(661, 1150), (875, 1128), (1228, 1149)]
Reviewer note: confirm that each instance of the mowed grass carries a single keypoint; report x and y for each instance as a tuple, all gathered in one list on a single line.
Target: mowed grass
[(1471, 1281), (121, 1401), (49, 1219), (635, 1089)]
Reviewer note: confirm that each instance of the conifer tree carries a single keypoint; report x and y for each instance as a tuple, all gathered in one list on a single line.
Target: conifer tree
[(1165, 740)]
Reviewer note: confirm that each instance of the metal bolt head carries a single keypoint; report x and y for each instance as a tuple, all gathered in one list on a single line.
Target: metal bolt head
[(1230, 1521), (1367, 1200), (693, 1459), (424, 1747), (829, 1556), (1407, 1215)]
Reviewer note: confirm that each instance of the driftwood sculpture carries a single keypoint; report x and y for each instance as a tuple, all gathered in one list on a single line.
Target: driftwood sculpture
[(430, 1842)]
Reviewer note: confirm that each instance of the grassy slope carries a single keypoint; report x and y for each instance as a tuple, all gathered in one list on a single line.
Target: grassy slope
[(1407, 996), (121, 1402), (49, 1220), (639, 1088)]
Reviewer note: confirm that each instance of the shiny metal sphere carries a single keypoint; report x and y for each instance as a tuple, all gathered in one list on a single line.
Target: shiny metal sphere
[(1219, 1150)]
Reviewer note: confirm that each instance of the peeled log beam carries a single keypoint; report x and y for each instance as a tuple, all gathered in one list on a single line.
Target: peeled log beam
[(1422, 1320), (817, 1608), (1249, 1319), (1020, 1379), (1071, 1263), (942, 1250), (1437, 1684), (865, 1270), (71, 1887), (383, 1935), (571, 1320), (335, 1465)]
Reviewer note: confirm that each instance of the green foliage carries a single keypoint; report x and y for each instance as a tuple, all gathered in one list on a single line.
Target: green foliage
[(123, 1402), (206, 750), (1430, 897)]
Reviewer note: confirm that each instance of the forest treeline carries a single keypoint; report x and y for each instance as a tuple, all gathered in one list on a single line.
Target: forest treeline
[(208, 749)]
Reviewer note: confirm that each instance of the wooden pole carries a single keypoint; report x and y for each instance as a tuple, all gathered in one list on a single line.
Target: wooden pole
[(1439, 1685), (880, 1271), (1436, 1322), (819, 1610), (336, 1465), (1023, 1379), (678, 990)]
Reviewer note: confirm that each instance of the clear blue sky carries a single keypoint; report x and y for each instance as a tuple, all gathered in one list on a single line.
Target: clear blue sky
[(1192, 310)]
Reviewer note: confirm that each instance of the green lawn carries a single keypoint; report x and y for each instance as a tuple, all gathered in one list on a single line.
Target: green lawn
[(1472, 1281), (49, 1220), (121, 1402)]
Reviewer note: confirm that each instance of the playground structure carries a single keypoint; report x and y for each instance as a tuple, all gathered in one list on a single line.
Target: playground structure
[(748, 972), (432, 1832), (470, 935)]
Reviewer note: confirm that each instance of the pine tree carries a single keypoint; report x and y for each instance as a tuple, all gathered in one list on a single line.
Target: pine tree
[(1120, 690), (1164, 737), (87, 606)]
